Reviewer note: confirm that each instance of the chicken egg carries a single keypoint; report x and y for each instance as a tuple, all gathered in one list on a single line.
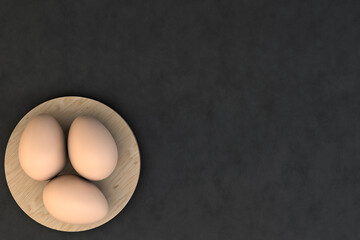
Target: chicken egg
[(73, 200), (92, 149), (42, 148)]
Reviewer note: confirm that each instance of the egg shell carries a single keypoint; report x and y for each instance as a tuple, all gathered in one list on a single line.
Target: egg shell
[(92, 149), (74, 200), (42, 152)]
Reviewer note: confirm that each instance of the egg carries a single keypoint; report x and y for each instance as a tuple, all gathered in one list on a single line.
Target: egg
[(41, 151), (92, 149), (74, 200)]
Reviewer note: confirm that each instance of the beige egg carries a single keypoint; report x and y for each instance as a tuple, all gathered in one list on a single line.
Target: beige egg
[(73, 200), (92, 149), (42, 152)]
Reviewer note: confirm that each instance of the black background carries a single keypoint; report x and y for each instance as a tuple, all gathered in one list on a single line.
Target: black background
[(246, 112)]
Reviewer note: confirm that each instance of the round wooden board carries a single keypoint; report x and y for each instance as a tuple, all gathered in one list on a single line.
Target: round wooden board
[(117, 188)]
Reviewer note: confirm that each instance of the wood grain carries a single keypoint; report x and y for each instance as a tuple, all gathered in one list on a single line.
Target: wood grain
[(117, 188)]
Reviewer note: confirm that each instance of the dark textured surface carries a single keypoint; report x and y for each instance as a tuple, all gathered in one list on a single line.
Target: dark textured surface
[(246, 112)]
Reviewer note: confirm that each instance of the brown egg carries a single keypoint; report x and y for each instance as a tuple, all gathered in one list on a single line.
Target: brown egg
[(73, 200), (42, 148), (92, 149)]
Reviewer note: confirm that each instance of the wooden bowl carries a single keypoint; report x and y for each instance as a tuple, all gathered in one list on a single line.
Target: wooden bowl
[(117, 188)]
